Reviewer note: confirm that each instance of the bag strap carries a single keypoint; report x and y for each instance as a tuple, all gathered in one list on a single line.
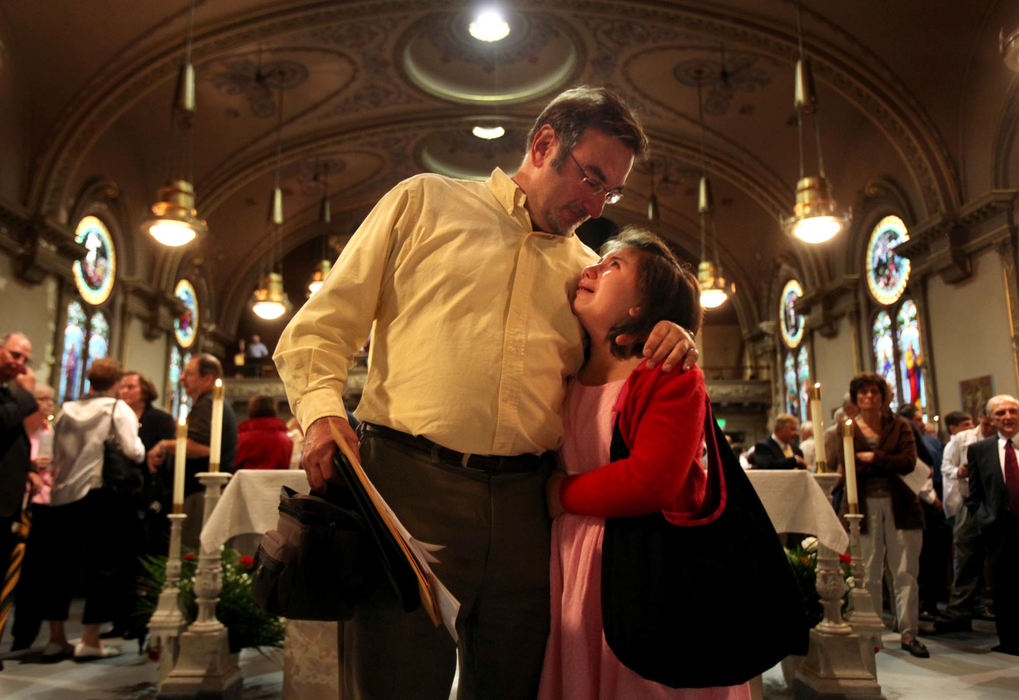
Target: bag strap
[(112, 432)]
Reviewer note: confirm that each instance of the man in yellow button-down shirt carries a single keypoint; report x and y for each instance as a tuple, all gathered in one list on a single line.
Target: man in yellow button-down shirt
[(468, 285)]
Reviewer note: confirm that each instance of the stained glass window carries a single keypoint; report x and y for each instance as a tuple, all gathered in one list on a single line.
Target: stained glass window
[(792, 392), (887, 273), (802, 382), (94, 273), (185, 326), (791, 322), (884, 350), (912, 363), (98, 341), (177, 362), (72, 358)]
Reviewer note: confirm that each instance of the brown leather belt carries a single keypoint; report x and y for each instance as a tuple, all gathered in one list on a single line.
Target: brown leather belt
[(490, 464)]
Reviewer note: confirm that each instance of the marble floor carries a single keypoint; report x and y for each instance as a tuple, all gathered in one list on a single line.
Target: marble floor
[(961, 667)]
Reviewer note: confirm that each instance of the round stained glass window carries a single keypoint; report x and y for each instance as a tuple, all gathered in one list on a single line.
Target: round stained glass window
[(791, 322), (887, 273), (95, 272), (185, 326)]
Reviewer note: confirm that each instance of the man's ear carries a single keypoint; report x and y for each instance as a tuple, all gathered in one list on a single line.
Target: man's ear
[(543, 146), (634, 311)]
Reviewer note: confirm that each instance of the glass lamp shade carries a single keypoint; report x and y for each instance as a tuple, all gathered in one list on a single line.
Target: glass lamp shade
[(318, 276), (175, 221), (815, 218), (714, 290), (269, 301)]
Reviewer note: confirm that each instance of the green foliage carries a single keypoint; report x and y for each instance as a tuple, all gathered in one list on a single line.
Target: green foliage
[(247, 624)]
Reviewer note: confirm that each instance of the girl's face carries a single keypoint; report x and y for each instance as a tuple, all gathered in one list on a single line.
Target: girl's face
[(607, 293)]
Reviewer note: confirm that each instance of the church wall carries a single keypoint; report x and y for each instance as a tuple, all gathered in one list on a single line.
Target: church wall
[(834, 366), (721, 346), (30, 309), (969, 331)]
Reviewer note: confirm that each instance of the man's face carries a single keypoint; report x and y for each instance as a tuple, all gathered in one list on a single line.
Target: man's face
[(14, 357), (194, 383), (967, 424), (851, 409), (560, 200), (788, 432), (987, 428), (1005, 415)]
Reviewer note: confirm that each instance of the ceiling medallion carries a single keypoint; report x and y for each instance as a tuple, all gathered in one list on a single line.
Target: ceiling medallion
[(538, 56)]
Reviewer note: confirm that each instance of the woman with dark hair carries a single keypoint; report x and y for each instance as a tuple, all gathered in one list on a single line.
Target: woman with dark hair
[(892, 527), (262, 440), (637, 283), (89, 514)]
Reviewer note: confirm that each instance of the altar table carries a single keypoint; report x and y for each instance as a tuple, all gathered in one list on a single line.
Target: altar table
[(796, 503)]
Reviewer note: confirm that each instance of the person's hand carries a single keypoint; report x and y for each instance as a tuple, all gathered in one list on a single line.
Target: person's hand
[(552, 486), (320, 446), (865, 457), (26, 380), (36, 482), (668, 344), (963, 472), (155, 457), (800, 462)]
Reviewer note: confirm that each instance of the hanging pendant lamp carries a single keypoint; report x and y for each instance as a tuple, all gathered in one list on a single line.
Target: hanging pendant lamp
[(174, 220), (816, 217), (714, 290)]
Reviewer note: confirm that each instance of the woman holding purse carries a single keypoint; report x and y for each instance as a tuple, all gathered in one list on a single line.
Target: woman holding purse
[(637, 283), (87, 513)]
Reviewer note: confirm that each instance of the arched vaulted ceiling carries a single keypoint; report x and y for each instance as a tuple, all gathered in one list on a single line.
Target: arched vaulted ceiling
[(373, 92)]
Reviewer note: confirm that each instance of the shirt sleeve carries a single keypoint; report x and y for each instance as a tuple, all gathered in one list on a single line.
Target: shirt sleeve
[(952, 458), (317, 347), (663, 471), (126, 424)]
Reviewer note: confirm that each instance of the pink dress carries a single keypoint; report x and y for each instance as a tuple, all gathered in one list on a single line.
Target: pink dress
[(579, 665)]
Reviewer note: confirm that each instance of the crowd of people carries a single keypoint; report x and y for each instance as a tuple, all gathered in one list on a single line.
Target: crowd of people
[(927, 544), (88, 522)]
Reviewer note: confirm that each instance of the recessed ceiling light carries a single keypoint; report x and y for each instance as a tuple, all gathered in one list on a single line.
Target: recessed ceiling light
[(488, 132), (489, 25)]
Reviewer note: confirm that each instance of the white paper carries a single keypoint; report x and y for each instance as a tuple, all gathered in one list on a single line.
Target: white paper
[(916, 479)]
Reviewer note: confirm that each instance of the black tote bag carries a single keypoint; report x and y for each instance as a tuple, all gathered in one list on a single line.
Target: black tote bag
[(708, 602)]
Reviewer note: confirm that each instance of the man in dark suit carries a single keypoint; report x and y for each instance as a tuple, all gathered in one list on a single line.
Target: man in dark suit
[(16, 402), (779, 450), (994, 502)]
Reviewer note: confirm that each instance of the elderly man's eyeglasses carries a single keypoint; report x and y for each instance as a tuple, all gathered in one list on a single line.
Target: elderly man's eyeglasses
[(611, 196)]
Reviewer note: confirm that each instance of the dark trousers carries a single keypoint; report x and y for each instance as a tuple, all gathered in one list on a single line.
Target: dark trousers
[(1002, 540), (934, 558), (39, 566), (495, 562), (86, 530), (966, 597)]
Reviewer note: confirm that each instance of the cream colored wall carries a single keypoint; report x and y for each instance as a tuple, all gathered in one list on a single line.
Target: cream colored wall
[(833, 365), (721, 346), (30, 309), (969, 331)]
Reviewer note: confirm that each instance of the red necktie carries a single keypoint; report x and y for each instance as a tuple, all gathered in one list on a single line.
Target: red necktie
[(1011, 477)]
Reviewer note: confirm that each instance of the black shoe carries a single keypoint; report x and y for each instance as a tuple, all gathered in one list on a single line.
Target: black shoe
[(984, 614), (54, 653), (1014, 651), (112, 633), (916, 648)]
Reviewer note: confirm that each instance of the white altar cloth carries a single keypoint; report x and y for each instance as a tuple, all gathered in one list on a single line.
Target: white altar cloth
[(796, 503)]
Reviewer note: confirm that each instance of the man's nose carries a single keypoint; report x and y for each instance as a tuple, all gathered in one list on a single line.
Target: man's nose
[(594, 205)]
